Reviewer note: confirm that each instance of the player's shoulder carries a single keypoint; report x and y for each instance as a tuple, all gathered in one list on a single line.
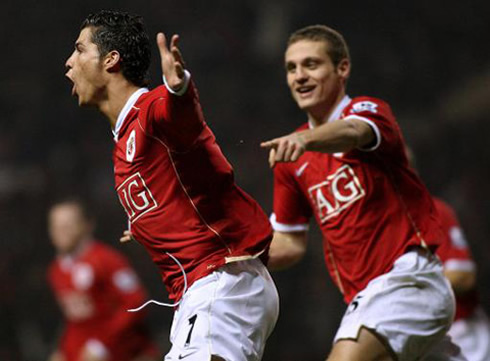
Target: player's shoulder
[(148, 98), (443, 208), (101, 249)]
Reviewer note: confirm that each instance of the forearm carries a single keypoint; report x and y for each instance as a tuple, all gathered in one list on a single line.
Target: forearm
[(461, 281), (286, 250), (338, 136)]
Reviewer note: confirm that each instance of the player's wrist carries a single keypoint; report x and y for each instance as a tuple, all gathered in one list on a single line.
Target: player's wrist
[(181, 88)]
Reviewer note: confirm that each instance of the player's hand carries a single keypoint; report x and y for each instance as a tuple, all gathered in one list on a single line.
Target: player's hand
[(285, 149), (126, 237), (172, 61)]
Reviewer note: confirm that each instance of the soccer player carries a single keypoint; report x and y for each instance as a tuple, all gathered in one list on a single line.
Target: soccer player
[(206, 235), (95, 286), (471, 328), (347, 167)]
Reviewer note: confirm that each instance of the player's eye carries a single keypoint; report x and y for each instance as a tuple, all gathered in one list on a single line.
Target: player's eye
[(290, 68)]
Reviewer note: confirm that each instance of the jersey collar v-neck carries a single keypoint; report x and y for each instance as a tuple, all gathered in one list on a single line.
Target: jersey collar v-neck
[(125, 110), (336, 113)]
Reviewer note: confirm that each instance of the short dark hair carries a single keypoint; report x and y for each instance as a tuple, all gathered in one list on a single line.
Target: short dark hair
[(337, 48), (81, 204), (125, 33)]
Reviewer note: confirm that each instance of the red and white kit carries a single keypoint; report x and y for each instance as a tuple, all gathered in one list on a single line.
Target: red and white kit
[(471, 328), (370, 205), (183, 205), (178, 189), (94, 288)]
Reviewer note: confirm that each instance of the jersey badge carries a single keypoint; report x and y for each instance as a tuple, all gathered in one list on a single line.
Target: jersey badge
[(131, 146), (82, 276)]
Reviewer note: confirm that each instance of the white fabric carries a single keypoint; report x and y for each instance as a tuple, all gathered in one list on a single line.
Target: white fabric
[(183, 89), (229, 313), (472, 334), (125, 110), (411, 307), (282, 227)]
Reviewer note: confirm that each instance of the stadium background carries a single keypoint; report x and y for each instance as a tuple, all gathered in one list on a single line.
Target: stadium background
[(429, 59)]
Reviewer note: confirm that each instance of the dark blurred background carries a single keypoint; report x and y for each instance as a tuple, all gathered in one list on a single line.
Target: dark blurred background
[(429, 59)]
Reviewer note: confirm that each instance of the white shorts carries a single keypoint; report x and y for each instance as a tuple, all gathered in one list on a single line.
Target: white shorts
[(472, 334), (229, 313), (411, 308)]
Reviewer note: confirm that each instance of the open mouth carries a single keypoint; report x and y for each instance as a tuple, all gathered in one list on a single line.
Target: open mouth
[(73, 88), (305, 90)]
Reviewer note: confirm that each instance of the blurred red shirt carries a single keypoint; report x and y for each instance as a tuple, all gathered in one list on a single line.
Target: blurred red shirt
[(456, 256), (95, 287)]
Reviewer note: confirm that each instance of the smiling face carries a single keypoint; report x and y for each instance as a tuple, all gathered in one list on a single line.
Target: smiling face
[(86, 70), (315, 83)]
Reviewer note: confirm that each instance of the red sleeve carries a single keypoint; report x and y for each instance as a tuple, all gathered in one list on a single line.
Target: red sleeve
[(291, 209), (124, 286), (379, 116), (454, 251), (176, 119)]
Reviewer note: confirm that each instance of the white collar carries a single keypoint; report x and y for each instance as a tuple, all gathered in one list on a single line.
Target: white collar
[(338, 110), (125, 110)]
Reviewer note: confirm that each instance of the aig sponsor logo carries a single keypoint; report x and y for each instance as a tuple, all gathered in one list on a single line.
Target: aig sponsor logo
[(136, 197), (336, 193)]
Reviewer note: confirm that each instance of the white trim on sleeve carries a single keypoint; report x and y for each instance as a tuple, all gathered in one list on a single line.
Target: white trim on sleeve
[(282, 227), (465, 265), (181, 91), (373, 126)]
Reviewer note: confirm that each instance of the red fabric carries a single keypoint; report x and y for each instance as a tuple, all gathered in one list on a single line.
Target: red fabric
[(454, 248), (179, 190), (370, 205), (94, 289)]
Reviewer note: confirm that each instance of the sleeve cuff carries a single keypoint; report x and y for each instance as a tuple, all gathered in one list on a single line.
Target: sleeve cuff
[(373, 126), (97, 348), (282, 227), (181, 91), (460, 265)]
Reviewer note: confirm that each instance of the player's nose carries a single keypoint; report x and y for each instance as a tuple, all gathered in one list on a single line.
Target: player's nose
[(69, 62), (300, 75)]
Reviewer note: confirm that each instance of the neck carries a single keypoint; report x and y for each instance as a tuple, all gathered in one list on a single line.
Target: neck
[(322, 113), (118, 94)]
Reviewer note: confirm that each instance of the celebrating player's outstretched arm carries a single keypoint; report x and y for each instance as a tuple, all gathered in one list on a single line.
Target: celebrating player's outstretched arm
[(172, 62), (337, 136)]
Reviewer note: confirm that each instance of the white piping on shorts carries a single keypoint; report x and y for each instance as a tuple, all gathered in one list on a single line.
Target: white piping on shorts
[(162, 303)]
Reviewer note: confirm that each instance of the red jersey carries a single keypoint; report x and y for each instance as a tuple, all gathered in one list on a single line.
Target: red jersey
[(178, 189), (456, 256), (369, 204), (95, 288)]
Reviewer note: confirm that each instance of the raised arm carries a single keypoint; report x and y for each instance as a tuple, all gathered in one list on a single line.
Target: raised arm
[(338, 136), (172, 62)]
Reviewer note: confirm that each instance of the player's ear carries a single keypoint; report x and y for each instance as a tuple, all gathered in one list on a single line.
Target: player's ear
[(112, 61), (343, 68)]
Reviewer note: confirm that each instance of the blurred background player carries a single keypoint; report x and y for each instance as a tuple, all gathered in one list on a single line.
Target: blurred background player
[(471, 327), (205, 234), (94, 286), (347, 167)]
